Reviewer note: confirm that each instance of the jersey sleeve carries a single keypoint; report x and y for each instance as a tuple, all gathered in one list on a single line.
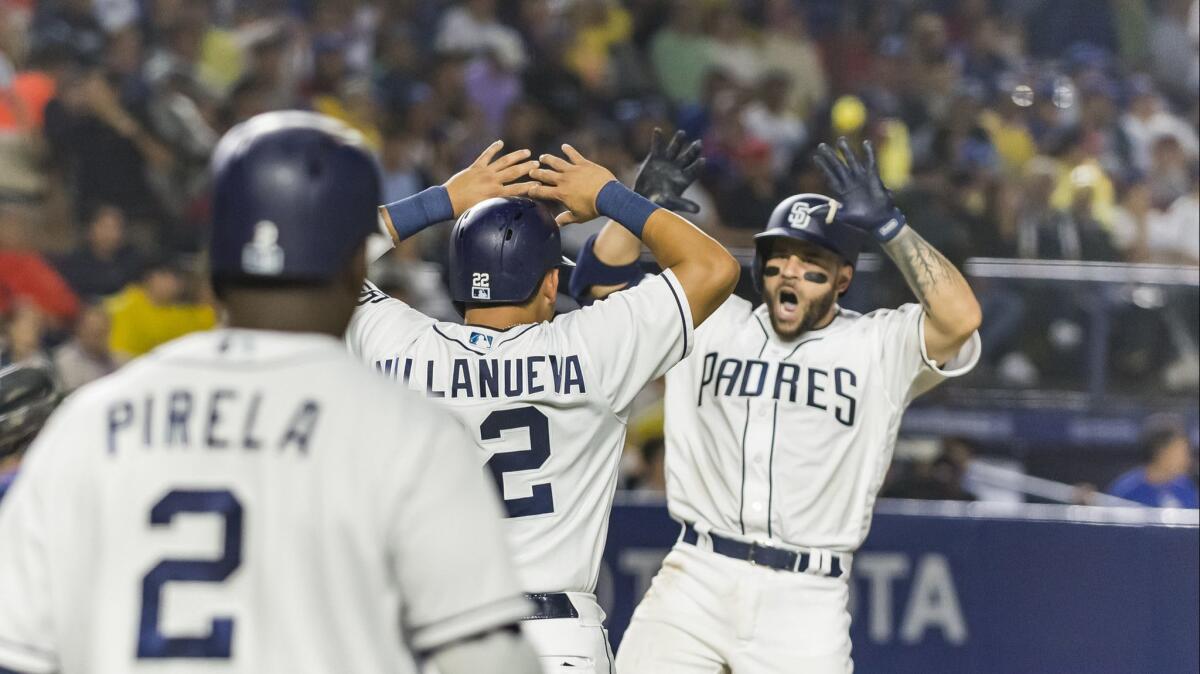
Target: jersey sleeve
[(380, 323), (634, 336), (27, 637), (446, 538), (908, 369)]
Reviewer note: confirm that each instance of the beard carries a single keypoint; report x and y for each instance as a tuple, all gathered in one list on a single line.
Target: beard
[(816, 311)]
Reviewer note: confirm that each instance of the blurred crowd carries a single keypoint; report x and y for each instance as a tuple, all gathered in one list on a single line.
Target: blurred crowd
[(1061, 130)]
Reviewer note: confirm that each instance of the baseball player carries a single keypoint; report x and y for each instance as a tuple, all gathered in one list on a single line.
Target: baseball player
[(779, 429), (546, 398), (28, 394), (252, 499)]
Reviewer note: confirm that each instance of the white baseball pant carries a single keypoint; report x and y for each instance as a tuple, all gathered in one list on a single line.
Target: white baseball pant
[(709, 614)]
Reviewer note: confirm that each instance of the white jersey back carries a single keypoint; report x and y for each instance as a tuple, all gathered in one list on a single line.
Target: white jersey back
[(251, 502), (790, 440), (547, 404)]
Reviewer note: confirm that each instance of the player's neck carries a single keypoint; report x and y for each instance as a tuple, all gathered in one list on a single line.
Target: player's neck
[(501, 318), (308, 311)]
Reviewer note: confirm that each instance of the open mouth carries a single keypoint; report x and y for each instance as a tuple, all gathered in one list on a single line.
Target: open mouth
[(788, 302)]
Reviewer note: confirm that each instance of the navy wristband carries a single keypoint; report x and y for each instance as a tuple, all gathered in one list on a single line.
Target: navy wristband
[(888, 230), (591, 271), (413, 214), (626, 207)]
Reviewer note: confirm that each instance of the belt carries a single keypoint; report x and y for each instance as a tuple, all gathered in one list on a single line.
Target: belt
[(766, 555), (551, 605)]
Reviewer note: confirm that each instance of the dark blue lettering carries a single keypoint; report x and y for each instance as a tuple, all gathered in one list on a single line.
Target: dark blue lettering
[(556, 373), (706, 373), (214, 418), (429, 390), (461, 380), (147, 417), (248, 439), (531, 375), (300, 428), (489, 378), (514, 382), (386, 367), (792, 376), (574, 375), (746, 375), (120, 415), (730, 377), (813, 388), (844, 394), (407, 369), (179, 411)]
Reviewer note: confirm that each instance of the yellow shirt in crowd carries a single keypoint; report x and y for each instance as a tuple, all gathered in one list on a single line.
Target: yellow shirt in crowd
[(139, 325)]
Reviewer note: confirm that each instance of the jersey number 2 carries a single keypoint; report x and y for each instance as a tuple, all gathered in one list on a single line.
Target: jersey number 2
[(541, 501), (152, 643)]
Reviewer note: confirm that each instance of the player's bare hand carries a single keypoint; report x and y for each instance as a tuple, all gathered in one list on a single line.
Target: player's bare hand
[(489, 176), (574, 182), (668, 170)]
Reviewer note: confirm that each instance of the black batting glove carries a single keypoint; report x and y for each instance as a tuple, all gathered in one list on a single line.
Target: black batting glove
[(668, 171), (866, 203)]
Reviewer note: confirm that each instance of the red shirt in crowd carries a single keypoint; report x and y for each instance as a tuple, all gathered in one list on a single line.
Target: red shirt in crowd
[(26, 275)]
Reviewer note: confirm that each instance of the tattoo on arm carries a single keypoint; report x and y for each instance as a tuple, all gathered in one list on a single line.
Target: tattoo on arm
[(927, 271)]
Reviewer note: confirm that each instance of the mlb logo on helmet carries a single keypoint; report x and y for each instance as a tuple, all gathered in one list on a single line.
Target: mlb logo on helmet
[(481, 286), (263, 255)]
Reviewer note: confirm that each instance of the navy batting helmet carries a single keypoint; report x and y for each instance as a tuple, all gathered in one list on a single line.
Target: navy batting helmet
[(294, 195), (28, 395), (808, 217), (500, 250)]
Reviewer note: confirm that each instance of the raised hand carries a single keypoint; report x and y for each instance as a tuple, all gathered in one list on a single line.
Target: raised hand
[(574, 182), (667, 171), (489, 177), (866, 203)]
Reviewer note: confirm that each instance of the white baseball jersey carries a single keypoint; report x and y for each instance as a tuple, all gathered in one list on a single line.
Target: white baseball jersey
[(790, 440), (547, 404), (253, 502)]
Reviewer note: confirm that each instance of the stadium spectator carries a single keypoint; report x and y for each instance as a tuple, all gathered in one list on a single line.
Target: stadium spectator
[(86, 356), (22, 336), (26, 276), (1175, 59), (681, 55), (732, 46), (937, 479), (471, 27), (154, 311), (105, 261), (105, 150), (1147, 118), (1164, 479), (69, 25), (602, 31), (788, 48), (1044, 231), (1176, 238), (1169, 175), (769, 119)]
